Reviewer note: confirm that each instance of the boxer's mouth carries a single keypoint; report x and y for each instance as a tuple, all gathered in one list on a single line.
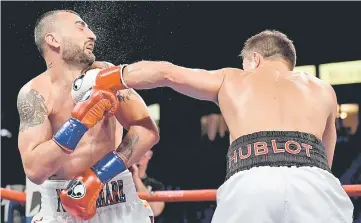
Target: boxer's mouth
[(90, 47)]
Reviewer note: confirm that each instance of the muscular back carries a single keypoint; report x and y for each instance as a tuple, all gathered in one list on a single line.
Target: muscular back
[(262, 100)]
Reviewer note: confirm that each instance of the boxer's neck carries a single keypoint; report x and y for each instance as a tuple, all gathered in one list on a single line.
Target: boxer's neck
[(278, 65), (65, 72)]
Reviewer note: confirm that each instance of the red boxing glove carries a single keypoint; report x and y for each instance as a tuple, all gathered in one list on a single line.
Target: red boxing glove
[(79, 199), (94, 104), (111, 78)]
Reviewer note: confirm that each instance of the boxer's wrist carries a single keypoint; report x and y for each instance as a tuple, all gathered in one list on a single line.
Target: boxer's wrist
[(112, 78), (109, 166), (122, 67), (69, 134)]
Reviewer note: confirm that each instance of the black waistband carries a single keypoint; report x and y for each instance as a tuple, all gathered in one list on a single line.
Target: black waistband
[(275, 148)]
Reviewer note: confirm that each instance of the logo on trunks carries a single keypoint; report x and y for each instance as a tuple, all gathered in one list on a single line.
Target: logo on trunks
[(111, 194), (151, 219), (76, 189), (260, 148)]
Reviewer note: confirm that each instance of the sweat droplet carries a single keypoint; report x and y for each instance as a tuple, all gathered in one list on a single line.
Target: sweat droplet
[(118, 27)]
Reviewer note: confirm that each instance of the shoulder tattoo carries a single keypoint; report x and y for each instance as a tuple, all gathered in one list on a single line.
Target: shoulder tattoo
[(124, 96), (32, 109)]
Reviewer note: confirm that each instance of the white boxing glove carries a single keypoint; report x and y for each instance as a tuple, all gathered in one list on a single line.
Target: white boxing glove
[(82, 84), (85, 81)]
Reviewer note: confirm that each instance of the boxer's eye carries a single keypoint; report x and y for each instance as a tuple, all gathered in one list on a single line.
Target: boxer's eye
[(77, 83)]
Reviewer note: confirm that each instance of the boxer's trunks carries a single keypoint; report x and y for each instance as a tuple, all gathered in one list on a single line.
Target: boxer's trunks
[(275, 177), (118, 202)]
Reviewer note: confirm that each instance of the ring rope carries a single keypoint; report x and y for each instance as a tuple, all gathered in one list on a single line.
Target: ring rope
[(170, 196)]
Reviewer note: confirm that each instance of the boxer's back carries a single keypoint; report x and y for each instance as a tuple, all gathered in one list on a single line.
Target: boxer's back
[(262, 100)]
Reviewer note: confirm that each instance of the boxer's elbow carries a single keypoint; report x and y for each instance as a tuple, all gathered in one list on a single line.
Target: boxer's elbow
[(37, 177), (153, 134), (155, 137), (150, 130), (147, 131), (37, 173)]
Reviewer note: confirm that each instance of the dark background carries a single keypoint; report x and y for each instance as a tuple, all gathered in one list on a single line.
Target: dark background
[(207, 35)]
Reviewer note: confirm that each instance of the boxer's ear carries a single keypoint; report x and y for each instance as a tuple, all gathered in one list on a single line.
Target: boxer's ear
[(52, 40), (256, 60)]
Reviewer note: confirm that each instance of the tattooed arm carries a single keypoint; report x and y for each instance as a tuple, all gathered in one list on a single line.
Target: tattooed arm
[(40, 155), (142, 131)]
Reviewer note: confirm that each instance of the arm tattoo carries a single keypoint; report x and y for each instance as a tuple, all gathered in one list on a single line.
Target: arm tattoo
[(32, 109), (127, 146), (50, 65), (124, 95)]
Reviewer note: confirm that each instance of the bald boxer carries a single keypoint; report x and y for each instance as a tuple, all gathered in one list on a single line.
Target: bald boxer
[(282, 132), (73, 148)]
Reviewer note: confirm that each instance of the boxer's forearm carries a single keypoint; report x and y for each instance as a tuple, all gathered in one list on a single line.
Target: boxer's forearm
[(136, 143), (147, 75), (43, 161), (196, 83)]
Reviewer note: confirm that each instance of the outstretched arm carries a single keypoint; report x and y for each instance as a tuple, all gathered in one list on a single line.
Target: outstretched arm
[(196, 83)]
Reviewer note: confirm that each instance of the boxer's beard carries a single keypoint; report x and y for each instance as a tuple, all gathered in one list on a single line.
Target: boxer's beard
[(73, 53)]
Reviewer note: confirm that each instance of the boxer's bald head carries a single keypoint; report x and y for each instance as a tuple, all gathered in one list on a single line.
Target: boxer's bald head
[(64, 32), (268, 45), (47, 23)]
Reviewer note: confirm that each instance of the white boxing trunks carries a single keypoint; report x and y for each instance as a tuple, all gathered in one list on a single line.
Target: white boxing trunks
[(275, 177), (118, 202)]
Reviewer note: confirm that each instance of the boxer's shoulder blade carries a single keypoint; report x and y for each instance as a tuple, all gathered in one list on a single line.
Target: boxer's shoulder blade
[(233, 78), (268, 99)]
